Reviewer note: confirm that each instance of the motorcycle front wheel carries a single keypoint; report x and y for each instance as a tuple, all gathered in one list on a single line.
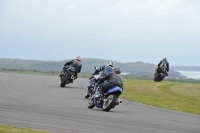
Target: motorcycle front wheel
[(64, 81), (157, 77), (87, 95), (90, 103)]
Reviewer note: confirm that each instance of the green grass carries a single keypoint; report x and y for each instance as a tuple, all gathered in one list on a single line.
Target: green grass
[(178, 96), (11, 129)]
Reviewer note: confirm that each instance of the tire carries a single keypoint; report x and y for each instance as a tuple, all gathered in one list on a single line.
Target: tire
[(87, 95), (110, 102), (157, 77), (162, 78), (64, 81), (90, 103)]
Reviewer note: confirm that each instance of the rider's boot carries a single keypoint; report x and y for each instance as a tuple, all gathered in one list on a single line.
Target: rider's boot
[(101, 98), (87, 94), (61, 74)]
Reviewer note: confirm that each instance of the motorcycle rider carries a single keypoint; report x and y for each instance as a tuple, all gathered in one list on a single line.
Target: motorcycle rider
[(105, 70), (76, 63), (111, 79), (165, 64)]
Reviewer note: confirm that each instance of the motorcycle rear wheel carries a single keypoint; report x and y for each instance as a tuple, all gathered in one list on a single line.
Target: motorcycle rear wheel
[(109, 103)]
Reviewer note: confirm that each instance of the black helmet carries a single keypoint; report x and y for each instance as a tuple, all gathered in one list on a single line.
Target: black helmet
[(165, 59), (110, 63), (117, 70)]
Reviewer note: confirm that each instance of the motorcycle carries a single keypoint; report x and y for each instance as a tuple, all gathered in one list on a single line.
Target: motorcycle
[(67, 75), (159, 75), (92, 83), (110, 99)]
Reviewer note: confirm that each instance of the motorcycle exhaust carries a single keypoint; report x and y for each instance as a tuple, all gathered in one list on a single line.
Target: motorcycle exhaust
[(118, 102), (72, 77)]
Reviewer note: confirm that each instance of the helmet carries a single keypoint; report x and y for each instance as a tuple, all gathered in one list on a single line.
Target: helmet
[(110, 63), (117, 70), (164, 59), (78, 58)]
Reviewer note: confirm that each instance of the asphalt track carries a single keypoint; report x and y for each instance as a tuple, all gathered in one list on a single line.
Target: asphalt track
[(38, 102)]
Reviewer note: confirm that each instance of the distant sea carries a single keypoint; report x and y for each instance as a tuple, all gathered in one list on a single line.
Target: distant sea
[(125, 73), (191, 74)]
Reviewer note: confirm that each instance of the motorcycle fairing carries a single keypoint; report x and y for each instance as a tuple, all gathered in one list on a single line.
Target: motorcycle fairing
[(115, 89)]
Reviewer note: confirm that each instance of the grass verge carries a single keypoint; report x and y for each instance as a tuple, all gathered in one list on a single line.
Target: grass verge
[(11, 129), (178, 96)]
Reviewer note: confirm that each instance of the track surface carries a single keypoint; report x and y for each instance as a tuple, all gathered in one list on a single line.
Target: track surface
[(34, 101)]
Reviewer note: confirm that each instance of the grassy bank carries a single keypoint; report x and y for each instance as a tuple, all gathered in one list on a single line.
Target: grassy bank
[(87, 75), (10, 129), (180, 96)]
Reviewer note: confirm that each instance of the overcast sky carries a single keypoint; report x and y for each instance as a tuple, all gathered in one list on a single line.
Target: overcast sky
[(120, 30)]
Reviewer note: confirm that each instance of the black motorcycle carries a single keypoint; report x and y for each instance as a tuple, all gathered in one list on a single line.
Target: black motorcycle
[(67, 75), (159, 75)]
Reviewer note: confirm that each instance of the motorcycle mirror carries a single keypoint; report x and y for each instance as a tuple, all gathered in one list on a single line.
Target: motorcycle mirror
[(95, 67)]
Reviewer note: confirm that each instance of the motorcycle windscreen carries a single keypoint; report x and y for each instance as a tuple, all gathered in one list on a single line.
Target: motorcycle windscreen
[(159, 70), (72, 73), (71, 70), (91, 81)]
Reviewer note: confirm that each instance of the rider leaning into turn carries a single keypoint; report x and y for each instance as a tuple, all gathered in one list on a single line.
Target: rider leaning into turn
[(111, 79), (76, 63), (105, 68), (165, 64)]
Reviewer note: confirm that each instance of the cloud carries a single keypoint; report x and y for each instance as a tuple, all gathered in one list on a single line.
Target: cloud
[(155, 7), (70, 7)]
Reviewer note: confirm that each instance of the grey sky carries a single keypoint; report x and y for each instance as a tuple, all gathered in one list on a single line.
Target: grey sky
[(121, 30)]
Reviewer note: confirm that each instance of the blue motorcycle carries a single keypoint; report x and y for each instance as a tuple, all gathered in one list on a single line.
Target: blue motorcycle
[(110, 99), (92, 83)]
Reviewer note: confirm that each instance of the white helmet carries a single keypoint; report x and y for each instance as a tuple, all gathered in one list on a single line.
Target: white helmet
[(110, 63)]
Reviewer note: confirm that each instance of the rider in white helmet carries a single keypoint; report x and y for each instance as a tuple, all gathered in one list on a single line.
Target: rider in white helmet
[(105, 68)]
